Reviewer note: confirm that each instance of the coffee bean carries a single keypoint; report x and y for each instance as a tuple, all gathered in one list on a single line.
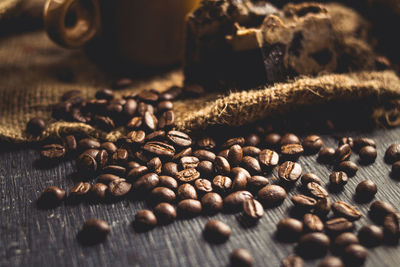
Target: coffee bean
[(80, 189), (170, 169), (396, 169), (379, 209), (166, 120), (338, 225), (222, 165), (234, 201), (185, 152), (326, 155), (212, 202), (189, 208), (343, 240), (289, 229), (105, 94), (135, 123), (362, 142), (120, 157), (343, 153), (338, 178), (145, 220), (268, 158), (216, 231), (331, 261), (136, 137), (86, 164), (172, 93), (241, 258), (51, 196), (146, 182), (109, 146), (303, 202), (203, 186), (224, 153), (53, 152), (272, 140), (256, 182), (167, 181), (341, 208), (104, 123), (130, 108), (312, 223), (391, 224), (156, 135), (187, 175), (94, 231), (203, 154), (370, 235), (289, 138), (148, 96), (346, 140), (239, 171), (323, 206), (290, 171), (350, 168), (316, 190), (114, 169), (310, 177), (206, 168), (392, 153), (222, 183), (154, 165), (251, 151), (70, 143), (91, 152), (292, 150), (366, 189), (179, 138), (35, 126), (368, 154), (119, 188), (207, 143), (165, 213), (186, 191), (355, 255), (99, 190), (87, 143), (292, 261), (102, 159), (137, 172), (251, 164), (272, 195), (235, 155), (233, 141), (164, 106), (314, 244), (159, 148), (162, 194), (312, 144), (189, 162), (253, 209)]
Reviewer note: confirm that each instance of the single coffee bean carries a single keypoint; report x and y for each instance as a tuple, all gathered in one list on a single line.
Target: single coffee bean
[(370, 235), (346, 140), (303, 202), (268, 158), (343, 240), (252, 140), (104, 123), (368, 154), (172, 93), (341, 208), (206, 142), (391, 224), (241, 258), (170, 169), (86, 164), (292, 261), (256, 182), (206, 168), (155, 136), (239, 182), (189, 208), (94, 231), (70, 143), (162, 194), (251, 164), (251, 151), (130, 108), (154, 165), (120, 157), (145, 220), (289, 229), (253, 209), (185, 152), (212, 202), (148, 96), (312, 144), (314, 244), (105, 94), (179, 138), (107, 178), (136, 137), (349, 167), (289, 138), (362, 142), (135, 123), (323, 206), (186, 191), (366, 189), (35, 126), (316, 190), (312, 223), (331, 261), (272, 140), (379, 209), (166, 120), (216, 231), (338, 178), (290, 171), (343, 153), (119, 188), (392, 153), (80, 189), (222, 165), (224, 153), (310, 177), (189, 162), (99, 190), (234, 201), (187, 175), (150, 121), (87, 143), (338, 225), (165, 213), (326, 155), (164, 106), (146, 182), (52, 196), (355, 255), (292, 150), (109, 146), (137, 172), (239, 171), (222, 183), (102, 159), (167, 181), (235, 155), (396, 169), (159, 149), (203, 154), (53, 152), (272, 195), (203, 186), (233, 141)]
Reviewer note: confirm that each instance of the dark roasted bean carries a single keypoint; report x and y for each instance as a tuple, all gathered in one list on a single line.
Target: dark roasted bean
[(379, 209), (35, 126), (391, 224), (316, 190), (251, 151), (289, 229), (343, 240), (148, 96), (189, 207), (203, 186), (343, 153), (239, 182), (251, 164), (323, 206), (222, 183), (179, 138), (338, 225), (212, 202), (363, 141), (70, 143), (252, 140), (102, 159), (366, 189), (187, 175), (165, 213), (370, 235), (312, 143), (53, 152), (189, 162), (331, 261), (137, 172), (272, 140), (105, 94), (86, 164), (105, 123), (256, 182), (70, 94), (343, 209), (350, 168), (222, 165), (99, 190), (292, 150), (91, 152), (118, 188), (130, 108), (272, 195), (80, 188), (120, 157), (241, 258), (233, 141), (136, 137), (203, 154), (326, 155), (290, 171), (52, 196), (159, 149), (338, 178), (224, 153), (107, 178), (239, 171), (167, 181), (292, 261), (310, 177), (206, 168), (135, 123), (312, 223), (156, 135), (268, 158), (355, 255), (146, 182), (289, 138), (314, 244), (172, 93), (392, 153), (166, 120), (145, 220), (87, 143), (185, 152), (94, 231), (186, 191), (170, 169), (206, 143), (162, 194), (109, 146), (396, 169), (346, 140), (154, 165), (235, 155), (253, 209), (216, 231), (303, 201), (164, 106), (235, 200), (368, 154)]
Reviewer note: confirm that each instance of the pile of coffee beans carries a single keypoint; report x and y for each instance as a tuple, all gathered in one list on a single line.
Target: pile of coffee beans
[(184, 175)]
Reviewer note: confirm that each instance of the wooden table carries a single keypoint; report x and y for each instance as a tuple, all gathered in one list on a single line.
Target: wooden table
[(33, 237)]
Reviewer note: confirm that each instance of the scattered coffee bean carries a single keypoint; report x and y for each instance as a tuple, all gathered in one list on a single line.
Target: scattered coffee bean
[(391, 224), (366, 189), (189, 207), (379, 209), (235, 200), (312, 144), (185, 152), (253, 209), (272, 195), (187, 175), (146, 182), (292, 261), (362, 142), (251, 164), (222, 165), (163, 194), (331, 261), (392, 153), (290, 171), (137, 172), (87, 143), (80, 189), (154, 165), (343, 153), (341, 208), (170, 169), (338, 178), (179, 138), (346, 140), (343, 240), (53, 152), (212, 202), (338, 225), (35, 126), (241, 258), (252, 140), (289, 138), (165, 213), (289, 229), (114, 169), (203, 186), (256, 182), (310, 177), (119, 187), (99, 190), (370, 235), (316, 190), (222, 183), (368, 154), (202, 154), (303, 202), (292, 150), (323, 206), (326, 155), (312, 223), (207, 143), (349, 167), (314, 244), (186, 191), (51, 196), (94, 231), (206, 168), (167, 181), (188, 162), (268, 158), (355, 255), (396, 169), (216, 231), (224, 153), (86, 164), (272, 140), (145, 220), (233, 141), (109, 146), (159, 148), (235, 155)]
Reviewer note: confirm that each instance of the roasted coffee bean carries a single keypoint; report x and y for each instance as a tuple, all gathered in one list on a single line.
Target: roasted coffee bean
[(77, 116), (235, 155), (314, 244), (370, 235), (222, 165), (130, 108), (145, 220), (379, 209), (166, 120), (256, 182), (52, 196), (292, 150), (162, 194), (80, 189), (323, 206), (343, 240), (253, 209), (292, 261), (99, 190), (392, 153), (310, 177), (316, 190), (146, 182), (119, 188), (272, 195), (120, 157), (189, 162), (186, 191), (212, 202), (35, 126), (331, 261), (94, 231), (102, 159), (156, 135), (251, 164), (224, 153), (87, 143), (135, 123), (189, 208), (172, 93), (367, 154), (203, 154), (312, 223), (289, 229), (109, 146), (251, 151), (350, 168), (86, 164), (303, 202), (170, 169), (167, 181), (239, 182), (164, 106), (154, 165), (143, 156), (272, 140), (203, 186), (70, 143), (235, 200), (91, 152), (326, 155), (187, 175), (53, 152), (105, 94), (338, 178), (107, 178), (165, 213), (241, 258), (362, 142), (185, 152), (233, 141), (391, 224), (216, 231), (239, 171), (148, 96), (105, 123), (159, 149), (222, 183), (206, 168), (341, 208), (268, 158), (396, 169), (290, 171), (179, 138), (343, 153), (137, 172), (346, 140), (355, 255), (289, 138), (366, 189), (136, 137), (338, 225)]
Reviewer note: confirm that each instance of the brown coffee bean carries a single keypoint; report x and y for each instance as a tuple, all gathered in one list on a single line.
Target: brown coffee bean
[(391, 224), (212, 202), (189, 162), (355, 255), (292, 150), (396, 169), (239, 171), (99, 190), (170, 169), (166, 120), (312, 144), (253, 209), (105, 94), (326, 155), (323, 206), (290, 171), (185, 152), (137, 172), (368, 154), (338, 178), (331, 261), (94, 231), (289, 229), (370, 235), (179, 138), (235, 200), (241, 258), (114, 169), (87, 143), (189, 208), (303, 202), (272, 140), (135, 123), (235, 155), (203, 154), (156, 135), (312, 223), (233, 141), (222, 183), (102, 159), (310, 177), (366, 189), (105, 123), (164, 106), (224, 153), (256, 182), (272, 195), (239, 182), (252, 140), (53, 152), (187, 175), (146, 182), (251, 164), (120, 157), (162, 194), (346, 140), (136, 137), (338, 225), (109, 146), (362, 142), (292, 261), (119, 188), (52, 196), (289, 138), (70, 143), (251, 151), (268, 158), (172, 93), (206, 168), (159, 149), (206, 142), (130, 108), (343, 153), (216, 231), (186, 191), (379, 209), (392, 153), (350, 168), (203, 186), (86, 164), (70, 94), (316, 190), (148, 96), (314, 244), (107, 178), (341, 208), (35, 126), (222, 165), (167, 181), (80, 189), (154, 165), (145, 220), (165, 213), (343, 240)]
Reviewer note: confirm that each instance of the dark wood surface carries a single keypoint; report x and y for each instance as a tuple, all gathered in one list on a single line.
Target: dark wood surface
[(34, 237)]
